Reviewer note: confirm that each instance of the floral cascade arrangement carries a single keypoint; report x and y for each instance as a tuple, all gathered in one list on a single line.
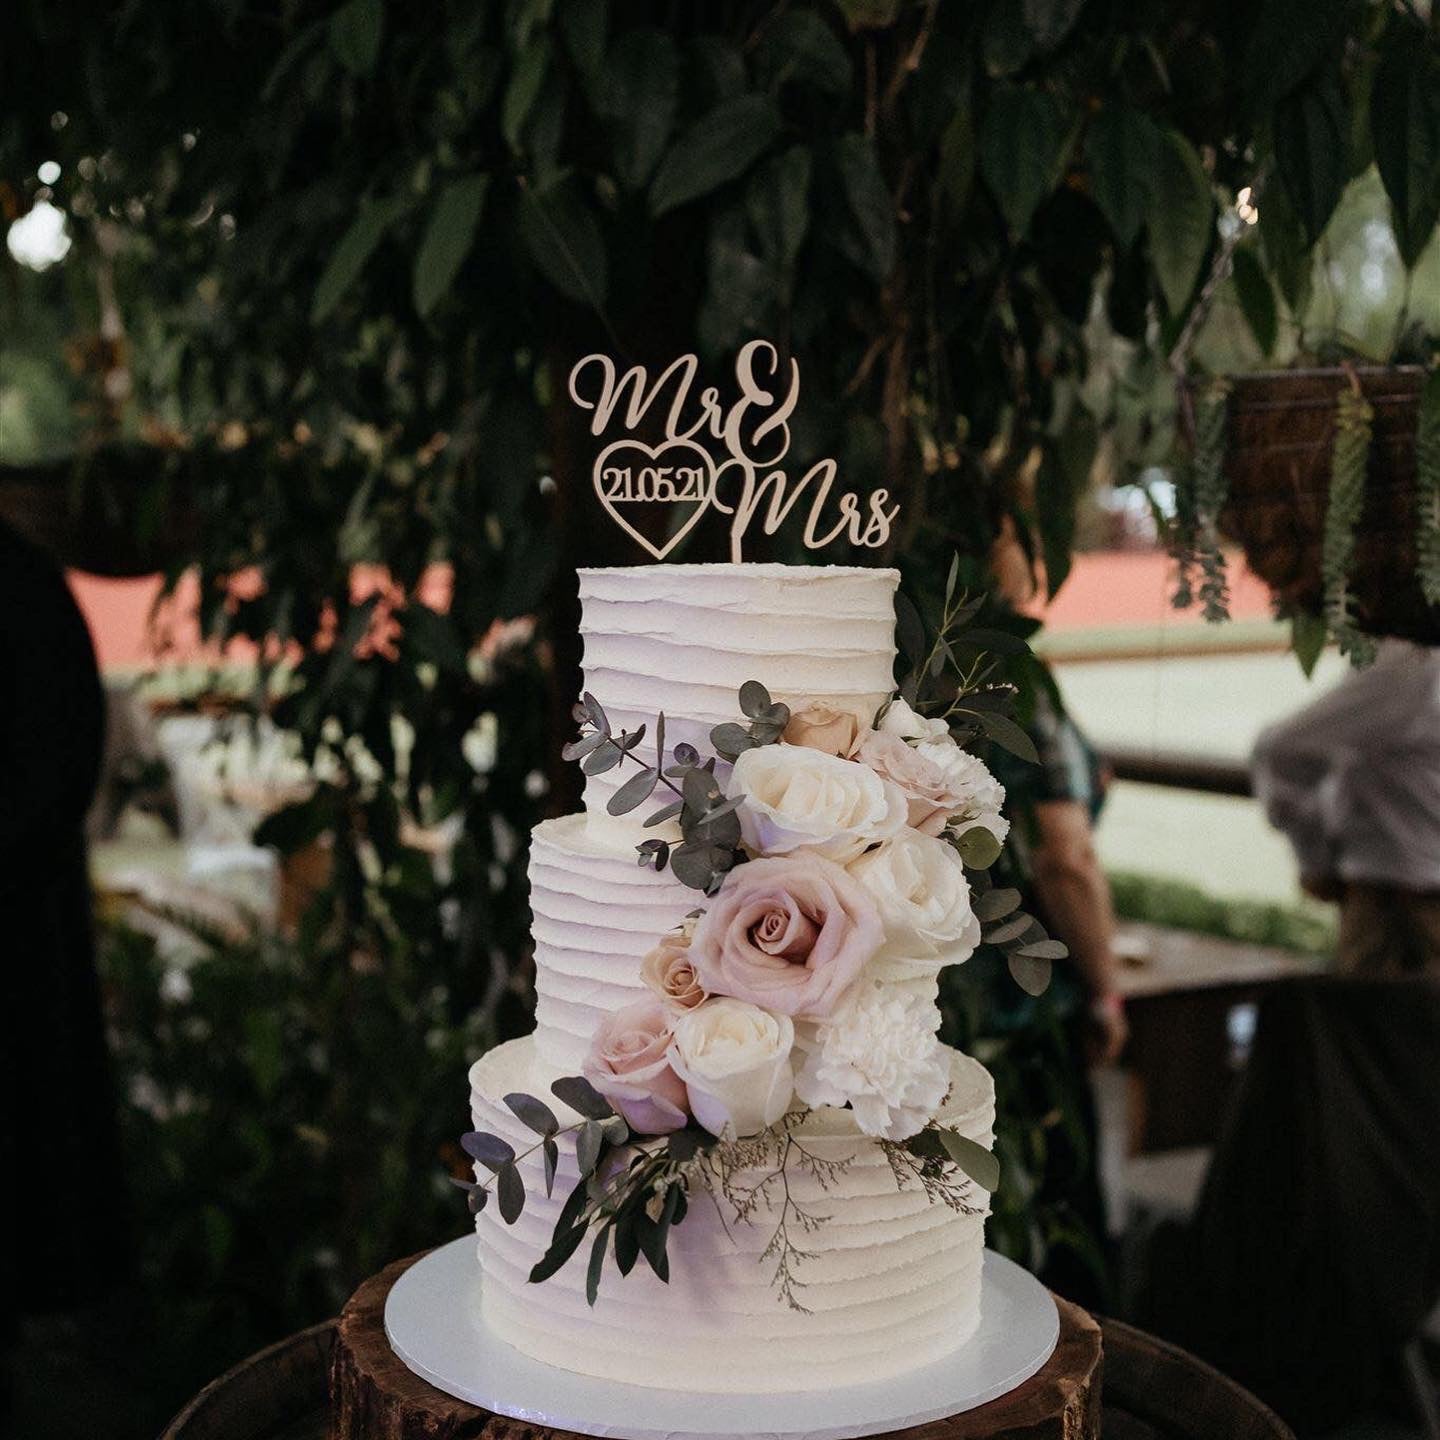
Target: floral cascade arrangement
[(842, 863)]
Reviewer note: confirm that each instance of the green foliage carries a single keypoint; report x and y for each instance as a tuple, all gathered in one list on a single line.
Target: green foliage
[(1405, 121), (1349, 462), (1427, 490)]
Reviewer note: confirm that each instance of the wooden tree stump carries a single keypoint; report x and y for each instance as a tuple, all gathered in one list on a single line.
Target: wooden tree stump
[(374, 1397)]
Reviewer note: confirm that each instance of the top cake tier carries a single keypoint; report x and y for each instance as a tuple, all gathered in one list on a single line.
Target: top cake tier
[(682, 639)]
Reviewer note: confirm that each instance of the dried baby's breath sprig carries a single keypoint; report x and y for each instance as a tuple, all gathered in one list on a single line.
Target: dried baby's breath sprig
[(947, 1165)]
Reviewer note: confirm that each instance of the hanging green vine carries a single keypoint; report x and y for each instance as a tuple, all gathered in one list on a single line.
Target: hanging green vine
[(1200, 494), (1427, 491), (1349, 458)]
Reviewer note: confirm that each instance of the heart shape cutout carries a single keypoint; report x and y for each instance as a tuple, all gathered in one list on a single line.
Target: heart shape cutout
[(629, 473)]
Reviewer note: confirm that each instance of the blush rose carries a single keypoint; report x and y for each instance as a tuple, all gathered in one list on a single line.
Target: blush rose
[(629, 1065)]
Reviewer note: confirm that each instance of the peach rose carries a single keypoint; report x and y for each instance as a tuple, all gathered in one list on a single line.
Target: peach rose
[(821, 728), (670, 972), (629, 1066), (930, 795), (788, 934)]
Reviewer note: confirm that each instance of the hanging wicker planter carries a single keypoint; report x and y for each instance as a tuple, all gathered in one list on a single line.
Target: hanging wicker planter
[(1278, 465)]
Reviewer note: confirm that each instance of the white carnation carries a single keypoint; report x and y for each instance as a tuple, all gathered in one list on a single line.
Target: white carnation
[(880, 1055), (903, 720), (982, 795)]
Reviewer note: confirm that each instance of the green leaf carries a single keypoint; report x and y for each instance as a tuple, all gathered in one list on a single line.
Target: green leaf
[(490, 1150), (564, 240), (1289, 40), (551, 1152), (355, 32), (978, 848), (1405, 122), (1287, 251), (1008, 735), (1311, 130), (448, 239), (1030, 974), (295, 826), (582, 1097), (597, 1264), (510, 1193), (524, 88), (588, 1144), (717, 148), (1308, 635), (627, 1237), (642, 75), (1181, 218), (1120, 149), (754, 699), (957, 161), (995, 904), (799, 45), (356, 247), (654, 1235), (1023, 144), (872, 209), (1010, 930), (909, 629), (777, 204), (582, 25), (972, 1159), (1257, 299), (1005, 43), (535, 1114), (433, 637), (634, 792), (1049, 21), (1044, 950), (565, 1244)]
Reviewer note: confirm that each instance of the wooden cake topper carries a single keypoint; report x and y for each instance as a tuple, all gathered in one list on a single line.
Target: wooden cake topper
[(753, 433)]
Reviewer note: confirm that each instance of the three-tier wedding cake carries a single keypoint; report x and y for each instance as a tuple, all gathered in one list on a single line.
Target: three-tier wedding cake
[(827, 1254)]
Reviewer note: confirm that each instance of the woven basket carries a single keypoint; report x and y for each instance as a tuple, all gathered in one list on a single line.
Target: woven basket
[(1277, 462)]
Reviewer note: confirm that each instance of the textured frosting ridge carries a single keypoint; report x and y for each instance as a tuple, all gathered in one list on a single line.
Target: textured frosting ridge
[(683, 638), (893, 1280)]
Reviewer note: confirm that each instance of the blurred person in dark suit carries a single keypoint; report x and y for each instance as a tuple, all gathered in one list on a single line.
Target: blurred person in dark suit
[(59, 1157), (1353, 781)]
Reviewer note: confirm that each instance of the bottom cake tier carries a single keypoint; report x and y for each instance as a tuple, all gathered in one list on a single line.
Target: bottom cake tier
[(887, 1282)]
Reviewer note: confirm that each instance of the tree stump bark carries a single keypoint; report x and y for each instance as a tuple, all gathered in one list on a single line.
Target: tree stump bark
[(374, 1397)]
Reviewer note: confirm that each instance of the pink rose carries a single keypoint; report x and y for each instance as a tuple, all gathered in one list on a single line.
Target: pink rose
[(670, 972), (628, 1065), (788, 934), (821, 728), (931, 795)]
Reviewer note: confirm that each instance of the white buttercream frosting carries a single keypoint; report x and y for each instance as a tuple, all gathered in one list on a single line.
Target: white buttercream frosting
[(682, 639), (891, 1282)]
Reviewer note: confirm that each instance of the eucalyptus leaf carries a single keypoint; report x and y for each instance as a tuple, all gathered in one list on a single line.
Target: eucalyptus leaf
[(1043, 950), (562, 1247), (509, 1193), (582, 1097), (634, 792), (909, 629), (597, 1264), (1010, 930), (588, 1143), (489, 1150), (994, 904), (978, 848), (579, 749), (602, 759), (754, 699), (551, 1153), (1008, 735), (972, 1159), (536, 1114), (1030, 974)]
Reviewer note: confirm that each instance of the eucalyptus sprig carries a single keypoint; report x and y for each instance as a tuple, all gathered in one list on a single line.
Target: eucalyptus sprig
[(709, 825), (946, 1164)]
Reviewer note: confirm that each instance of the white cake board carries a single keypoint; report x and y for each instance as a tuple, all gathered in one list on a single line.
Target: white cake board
[(432, 1320)]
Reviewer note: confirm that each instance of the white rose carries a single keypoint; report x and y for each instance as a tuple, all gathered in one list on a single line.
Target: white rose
[(919, 886), (980, 794), (881, 1055), (903, 720), (735, 1061), (797, 798)]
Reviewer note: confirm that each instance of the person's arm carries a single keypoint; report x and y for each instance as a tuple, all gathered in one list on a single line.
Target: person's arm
[(1075, 895)]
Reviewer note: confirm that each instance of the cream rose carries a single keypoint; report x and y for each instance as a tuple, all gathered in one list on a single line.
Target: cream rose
[(797, 798), (790, 934), (735, 1061), (904, 720), (919, 887), (629, 1065), (670, 972), (930, 796), (821, 728)]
